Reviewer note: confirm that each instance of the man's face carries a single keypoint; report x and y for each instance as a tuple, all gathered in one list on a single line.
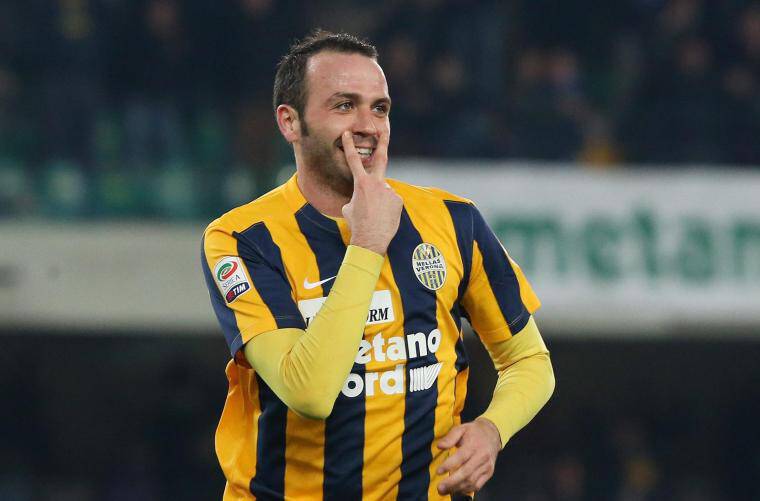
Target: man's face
[(344, 92)]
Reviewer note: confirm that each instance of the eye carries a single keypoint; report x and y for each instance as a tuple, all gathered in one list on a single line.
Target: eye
[(344, 106), (382, 109)]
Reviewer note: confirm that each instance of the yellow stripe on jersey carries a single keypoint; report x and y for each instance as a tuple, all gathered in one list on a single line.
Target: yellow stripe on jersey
[(528, 297), (236, 438), (408, 381), (500, 303), (304, 457)]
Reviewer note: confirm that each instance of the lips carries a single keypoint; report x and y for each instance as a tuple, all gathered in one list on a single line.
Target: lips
[(365, 151)]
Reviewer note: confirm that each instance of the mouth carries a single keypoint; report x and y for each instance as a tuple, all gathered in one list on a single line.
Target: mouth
[(365, 153)]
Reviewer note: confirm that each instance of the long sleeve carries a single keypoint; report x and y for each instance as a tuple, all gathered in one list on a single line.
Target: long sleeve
[(307, 368), (526, 380)]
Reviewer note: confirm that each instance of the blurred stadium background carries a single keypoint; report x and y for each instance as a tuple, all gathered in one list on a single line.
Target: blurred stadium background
[(613, 146)]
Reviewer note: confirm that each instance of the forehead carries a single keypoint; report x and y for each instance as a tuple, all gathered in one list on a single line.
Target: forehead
[(331, 72)]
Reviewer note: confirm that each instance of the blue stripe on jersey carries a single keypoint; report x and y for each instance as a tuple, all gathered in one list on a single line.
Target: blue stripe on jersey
[(344, 428), (419, 306), (326, 244), (225, 315), (268, 483), (461, 216), (461, 362), (500, 274), (263, 259)]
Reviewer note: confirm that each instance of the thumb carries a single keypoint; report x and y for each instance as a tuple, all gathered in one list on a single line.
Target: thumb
[(452, 437), (346, 210)]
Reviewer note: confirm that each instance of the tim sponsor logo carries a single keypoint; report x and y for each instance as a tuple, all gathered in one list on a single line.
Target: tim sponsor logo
[(231, 278)]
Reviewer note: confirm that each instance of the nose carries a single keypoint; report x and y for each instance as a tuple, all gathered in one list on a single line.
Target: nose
[(365, 125)]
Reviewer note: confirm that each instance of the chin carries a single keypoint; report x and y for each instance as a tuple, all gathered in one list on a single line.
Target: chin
[(337, 177)]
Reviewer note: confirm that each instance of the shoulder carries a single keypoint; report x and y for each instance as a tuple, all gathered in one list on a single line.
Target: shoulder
[(423, 194), (264, 209)]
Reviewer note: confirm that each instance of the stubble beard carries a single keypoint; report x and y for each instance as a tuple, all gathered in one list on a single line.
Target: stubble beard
[(320, 157)]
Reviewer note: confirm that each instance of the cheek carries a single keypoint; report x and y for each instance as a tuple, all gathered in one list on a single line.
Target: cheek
[(329, 133), (384, 125)]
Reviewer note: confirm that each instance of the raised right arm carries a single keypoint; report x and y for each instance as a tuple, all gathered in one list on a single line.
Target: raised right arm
[(307, 368)]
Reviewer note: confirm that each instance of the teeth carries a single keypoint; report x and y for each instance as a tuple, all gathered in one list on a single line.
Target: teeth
[(365, 152)]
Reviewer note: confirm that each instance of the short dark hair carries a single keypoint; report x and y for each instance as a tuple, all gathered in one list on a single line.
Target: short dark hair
[(290, 80)]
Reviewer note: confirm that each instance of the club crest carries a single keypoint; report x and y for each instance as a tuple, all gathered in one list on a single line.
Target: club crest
[(429, 266)]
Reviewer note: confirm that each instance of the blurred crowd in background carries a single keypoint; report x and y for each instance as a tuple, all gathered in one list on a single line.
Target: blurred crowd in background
[(161, 110), (163, 107)]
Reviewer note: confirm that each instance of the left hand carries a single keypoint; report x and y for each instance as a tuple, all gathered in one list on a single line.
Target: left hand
[(478, 443)]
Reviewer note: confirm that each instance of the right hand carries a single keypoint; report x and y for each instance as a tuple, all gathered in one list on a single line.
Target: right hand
[(374, 211)]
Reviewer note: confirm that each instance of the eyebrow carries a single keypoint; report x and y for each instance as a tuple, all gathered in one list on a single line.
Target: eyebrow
[(356, 97)]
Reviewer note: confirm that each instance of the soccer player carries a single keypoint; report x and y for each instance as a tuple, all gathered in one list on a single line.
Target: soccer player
[(341, 294)]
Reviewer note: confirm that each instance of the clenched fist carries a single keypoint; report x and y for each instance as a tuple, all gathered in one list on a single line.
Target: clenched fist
[(374, 211)]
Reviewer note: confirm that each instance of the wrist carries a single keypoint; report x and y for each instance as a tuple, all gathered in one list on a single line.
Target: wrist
[(487, 423), (364, 258), (369, 245)]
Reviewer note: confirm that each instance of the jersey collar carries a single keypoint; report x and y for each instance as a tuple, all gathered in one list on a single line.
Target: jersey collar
[(298, 203)]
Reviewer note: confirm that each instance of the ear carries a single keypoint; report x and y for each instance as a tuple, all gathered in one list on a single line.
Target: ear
[(288, 122)]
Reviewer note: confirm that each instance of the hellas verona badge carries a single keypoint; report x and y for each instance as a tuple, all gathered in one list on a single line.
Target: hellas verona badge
[(231, 278), (429, 266)]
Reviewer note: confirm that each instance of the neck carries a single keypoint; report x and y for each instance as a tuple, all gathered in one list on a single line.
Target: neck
[(320, 195)]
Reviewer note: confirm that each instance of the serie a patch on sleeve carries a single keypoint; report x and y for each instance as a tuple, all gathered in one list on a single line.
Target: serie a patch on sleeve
[(231, 278)]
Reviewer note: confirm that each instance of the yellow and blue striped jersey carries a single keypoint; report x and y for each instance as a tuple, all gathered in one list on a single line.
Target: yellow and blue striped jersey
[(269, 265)]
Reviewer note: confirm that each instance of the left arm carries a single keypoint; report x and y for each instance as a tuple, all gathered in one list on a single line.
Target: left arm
[(499, 302), (526, 381)]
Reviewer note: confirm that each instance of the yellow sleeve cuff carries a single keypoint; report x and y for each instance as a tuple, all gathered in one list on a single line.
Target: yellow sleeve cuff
[(365, 259)]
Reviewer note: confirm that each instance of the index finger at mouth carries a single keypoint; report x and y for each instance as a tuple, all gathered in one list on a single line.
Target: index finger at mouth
[(352, 156)]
